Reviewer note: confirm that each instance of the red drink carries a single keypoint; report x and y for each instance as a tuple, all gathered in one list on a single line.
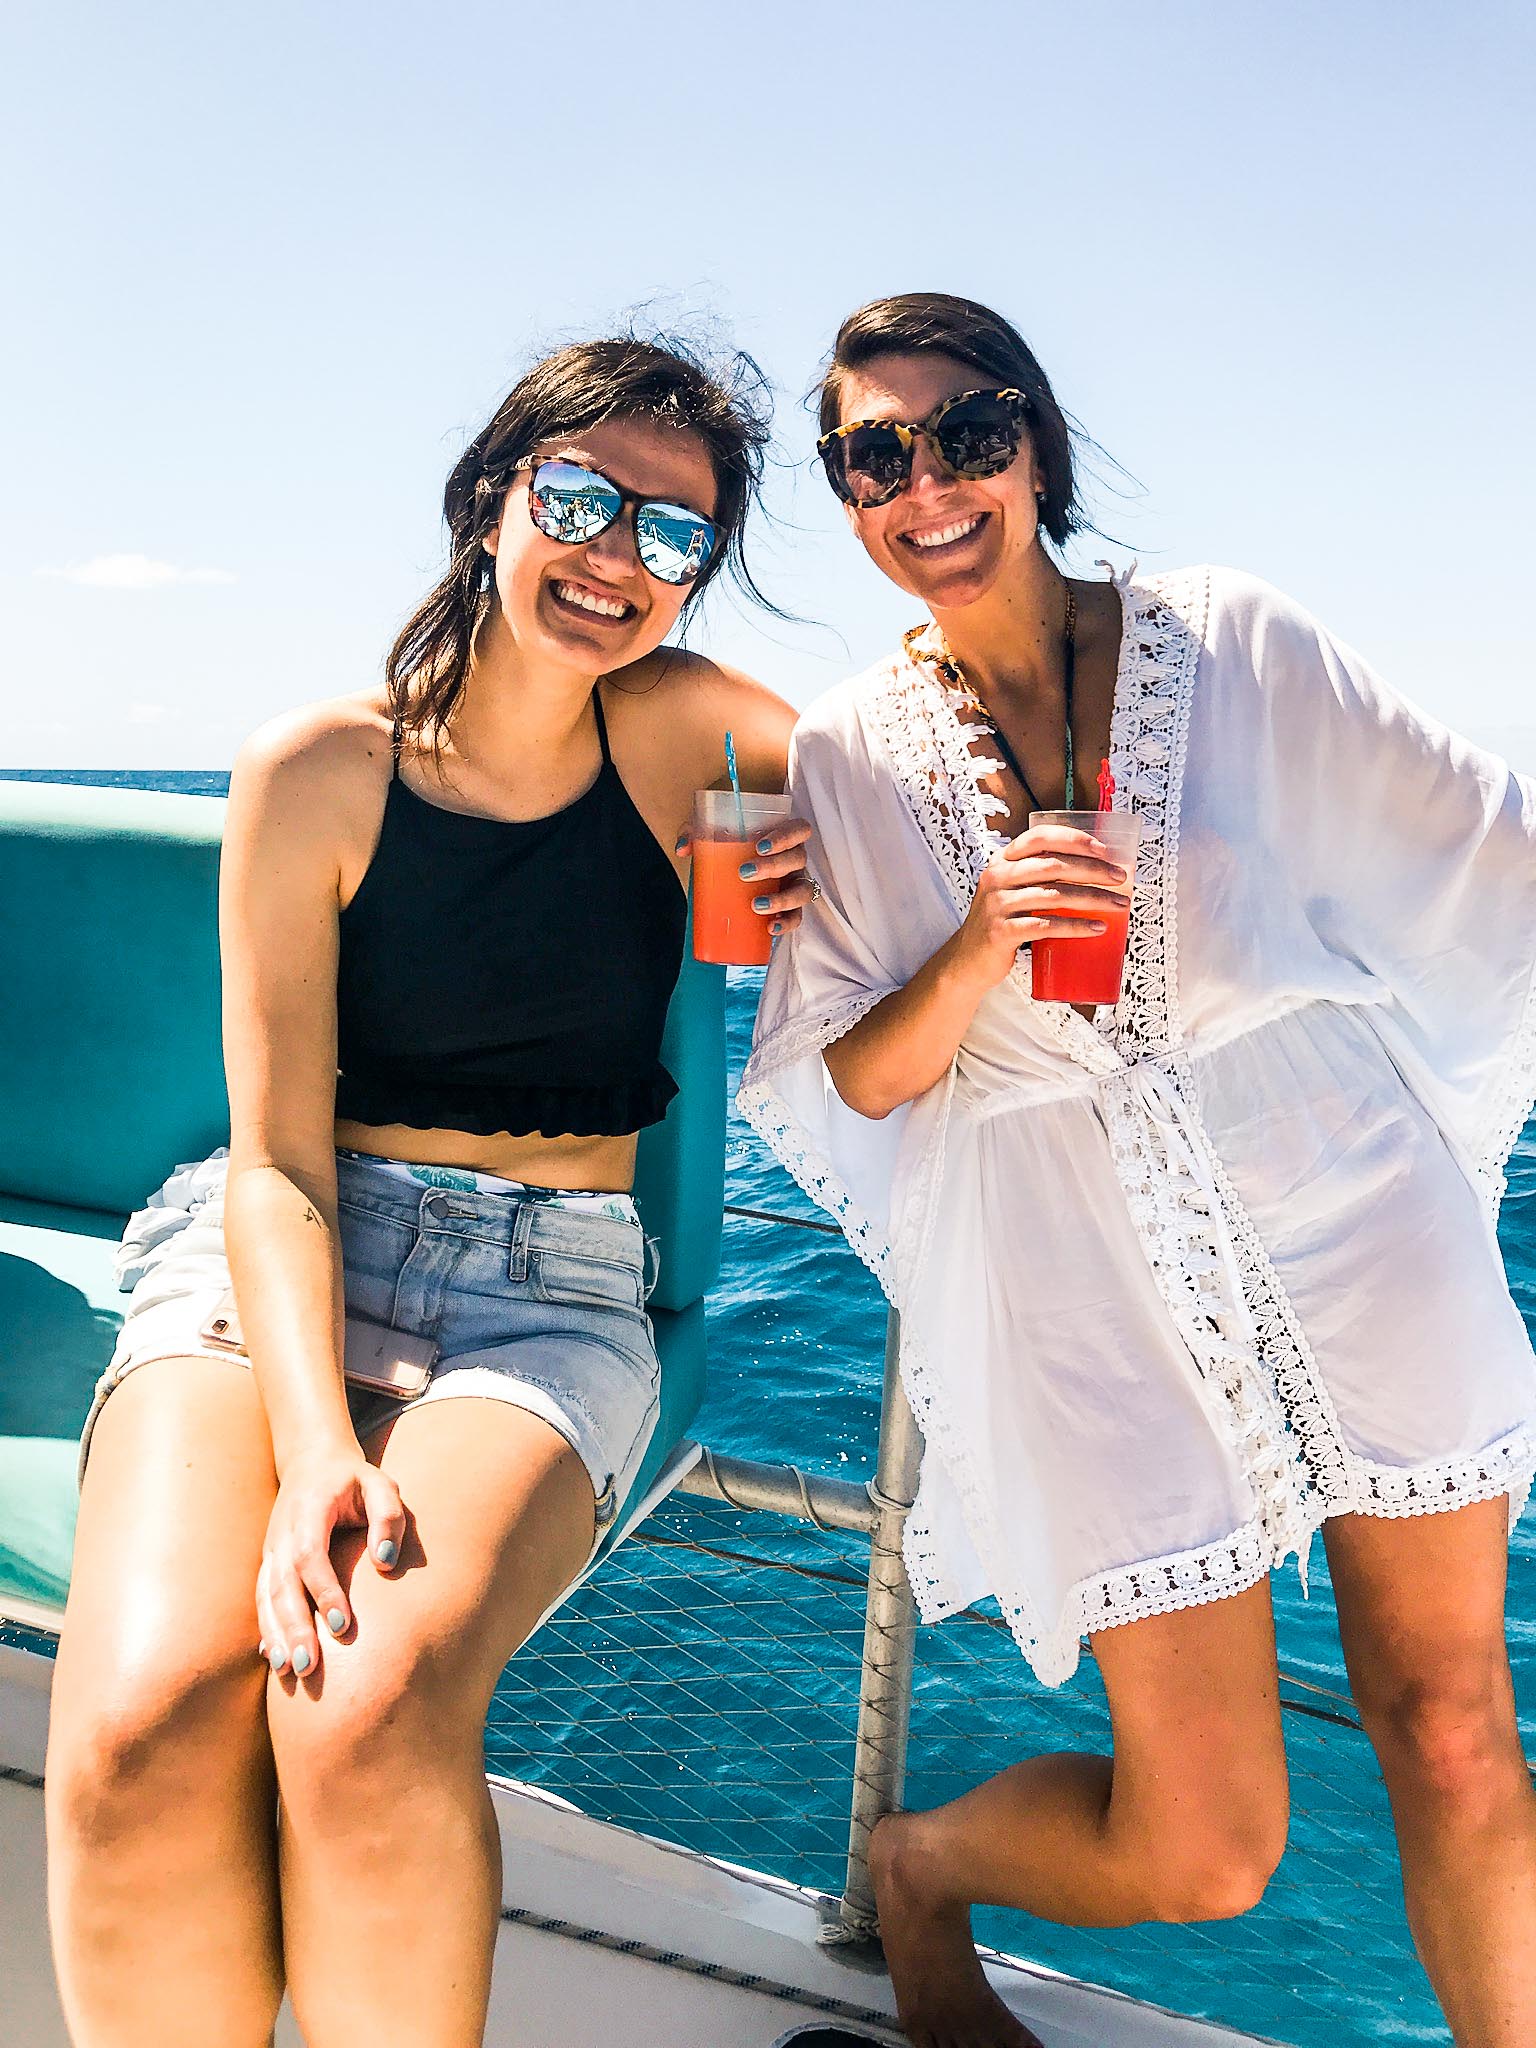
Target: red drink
[(726, 829), (1088, 970), (1081, 970), (726, 928)]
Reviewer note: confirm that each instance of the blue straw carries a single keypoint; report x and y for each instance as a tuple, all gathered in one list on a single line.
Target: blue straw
[(730, 769)]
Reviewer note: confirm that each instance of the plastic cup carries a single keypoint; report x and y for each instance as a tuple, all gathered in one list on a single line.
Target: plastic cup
[(726, 829), (1087, 970)]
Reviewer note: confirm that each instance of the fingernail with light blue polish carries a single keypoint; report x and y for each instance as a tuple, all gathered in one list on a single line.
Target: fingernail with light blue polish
[(765, 846), (300, 1661), (759, 902), (336, 1621), (387, 1551), (682, 841), (777, 926), (277, 1656), (747, 870)]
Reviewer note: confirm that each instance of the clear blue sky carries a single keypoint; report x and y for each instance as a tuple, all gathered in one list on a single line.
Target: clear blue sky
[(266, 269)]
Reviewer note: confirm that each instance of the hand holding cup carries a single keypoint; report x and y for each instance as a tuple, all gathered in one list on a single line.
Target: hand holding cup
[(1052, 882), (749, 878)]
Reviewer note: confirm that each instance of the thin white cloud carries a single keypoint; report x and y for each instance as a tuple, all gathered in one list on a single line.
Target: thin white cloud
[(133, 572)]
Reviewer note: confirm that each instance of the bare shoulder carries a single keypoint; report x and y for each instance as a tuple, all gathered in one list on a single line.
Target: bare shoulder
[(688, 702), (316, 774), (676, 677), (333, 747)]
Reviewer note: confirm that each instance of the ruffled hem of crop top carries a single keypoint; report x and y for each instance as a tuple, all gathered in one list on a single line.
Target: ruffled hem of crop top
[(610, 1110), (507, 976)]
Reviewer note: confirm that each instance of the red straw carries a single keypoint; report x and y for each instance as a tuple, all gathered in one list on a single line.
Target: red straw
[(1106, 788)]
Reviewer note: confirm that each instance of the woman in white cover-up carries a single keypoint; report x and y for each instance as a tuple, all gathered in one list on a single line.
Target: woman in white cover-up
[(1184, 1279)]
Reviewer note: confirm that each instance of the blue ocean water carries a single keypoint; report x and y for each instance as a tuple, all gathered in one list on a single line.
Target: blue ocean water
[(796, 1335)]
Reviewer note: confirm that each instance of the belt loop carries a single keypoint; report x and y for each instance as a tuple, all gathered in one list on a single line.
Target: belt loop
[(522, 1226)]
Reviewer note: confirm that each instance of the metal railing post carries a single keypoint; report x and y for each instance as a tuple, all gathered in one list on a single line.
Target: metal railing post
[(890, 1626)]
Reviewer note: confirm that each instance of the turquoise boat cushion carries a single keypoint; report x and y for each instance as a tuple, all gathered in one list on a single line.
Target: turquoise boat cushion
[(110, 1066), (59, 1315)]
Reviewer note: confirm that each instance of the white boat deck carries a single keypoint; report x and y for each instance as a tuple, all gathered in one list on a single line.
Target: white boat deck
[(608, 1937)]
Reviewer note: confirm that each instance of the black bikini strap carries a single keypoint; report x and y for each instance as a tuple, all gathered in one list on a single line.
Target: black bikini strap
[(395, 749), (602, 724)]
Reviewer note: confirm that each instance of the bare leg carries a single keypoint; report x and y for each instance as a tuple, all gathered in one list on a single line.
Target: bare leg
[(162, 1855), (1186, 1822), (1421, 1613), (391, 1866)]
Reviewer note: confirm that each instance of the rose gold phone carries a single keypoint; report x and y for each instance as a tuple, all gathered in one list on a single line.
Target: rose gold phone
[(384, 1361)]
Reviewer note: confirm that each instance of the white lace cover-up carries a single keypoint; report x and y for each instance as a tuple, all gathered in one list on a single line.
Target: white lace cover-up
[(1177, 1284)]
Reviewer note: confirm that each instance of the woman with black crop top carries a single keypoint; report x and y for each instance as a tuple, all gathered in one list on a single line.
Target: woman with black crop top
[(452, 915)]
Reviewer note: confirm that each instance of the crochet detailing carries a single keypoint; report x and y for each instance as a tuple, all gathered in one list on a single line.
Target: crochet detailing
[(765, 1110), (1149, 738), (915, 716), (1110, 1599), (1513, 1108)]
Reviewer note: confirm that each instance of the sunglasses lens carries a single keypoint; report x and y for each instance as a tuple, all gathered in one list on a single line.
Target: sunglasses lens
[(868, 465), (981, 435), (570, 503), (672, 542)]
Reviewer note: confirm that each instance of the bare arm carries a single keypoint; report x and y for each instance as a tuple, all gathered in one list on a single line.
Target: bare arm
[(278, 904), (1048, 883), (278, 915)]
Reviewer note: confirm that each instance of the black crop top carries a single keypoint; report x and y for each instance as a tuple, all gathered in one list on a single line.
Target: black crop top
[(497, 976)]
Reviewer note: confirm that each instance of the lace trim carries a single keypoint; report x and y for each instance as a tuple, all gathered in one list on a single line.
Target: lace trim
[(1129, 1593), (784, 1135), (1393, 1491), (915, 719), (1162, 636), (814, 1033), (1514, 1106), (1170, 1183), (940, 756)]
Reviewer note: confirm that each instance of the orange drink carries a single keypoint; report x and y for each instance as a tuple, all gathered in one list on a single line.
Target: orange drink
[(1087, 970), (726, 829)]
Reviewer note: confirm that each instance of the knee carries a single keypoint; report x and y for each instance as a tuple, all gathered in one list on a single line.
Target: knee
[(147, 1731), (1451, 1732), (366, 1730), (1215, 1869)]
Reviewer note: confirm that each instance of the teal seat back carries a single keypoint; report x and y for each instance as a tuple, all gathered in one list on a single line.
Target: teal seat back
[(110, 1067), (110, 1063)]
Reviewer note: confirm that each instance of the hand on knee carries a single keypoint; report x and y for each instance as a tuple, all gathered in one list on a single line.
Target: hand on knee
[(348, 1744)]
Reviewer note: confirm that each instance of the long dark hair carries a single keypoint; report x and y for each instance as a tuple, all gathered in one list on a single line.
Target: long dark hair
[(972, 334), (567, 393)]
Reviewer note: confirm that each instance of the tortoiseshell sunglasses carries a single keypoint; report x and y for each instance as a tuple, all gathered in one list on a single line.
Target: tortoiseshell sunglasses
[(975, 433)]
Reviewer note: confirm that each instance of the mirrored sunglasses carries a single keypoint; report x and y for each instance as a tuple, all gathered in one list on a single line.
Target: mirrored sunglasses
[(975, 433), (572, 504)]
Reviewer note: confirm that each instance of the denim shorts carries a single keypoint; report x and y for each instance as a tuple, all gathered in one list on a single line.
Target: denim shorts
[(528, 1301)]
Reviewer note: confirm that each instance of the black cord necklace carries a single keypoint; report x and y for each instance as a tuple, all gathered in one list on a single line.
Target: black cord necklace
[(951, 669)]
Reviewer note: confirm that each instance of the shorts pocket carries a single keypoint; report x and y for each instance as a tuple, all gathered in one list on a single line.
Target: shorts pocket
[(585, 1282)]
